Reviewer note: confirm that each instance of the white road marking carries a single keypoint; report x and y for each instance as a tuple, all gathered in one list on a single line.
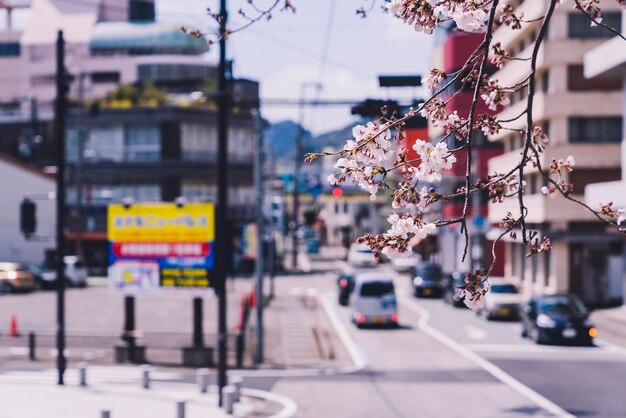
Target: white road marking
[(486, 365), (475, 333), (289, 406), (354, 352)]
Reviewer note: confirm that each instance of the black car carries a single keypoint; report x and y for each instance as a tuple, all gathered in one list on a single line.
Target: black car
[(345, 286), (557, 318), (427, 279), (452, 291)]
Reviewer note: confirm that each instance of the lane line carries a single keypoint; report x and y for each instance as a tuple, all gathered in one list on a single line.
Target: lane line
[(354, 352), (475, 333), (486, 365)]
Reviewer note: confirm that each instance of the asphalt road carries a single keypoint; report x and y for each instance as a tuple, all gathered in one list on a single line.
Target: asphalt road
[(411, 373), (442, 361)]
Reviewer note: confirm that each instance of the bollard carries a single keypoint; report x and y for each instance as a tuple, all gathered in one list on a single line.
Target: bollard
[(180, 409), (31, 346), (145, 376), (202, 378), (82, 373), (237, 382), (105, 413), (228, 395)]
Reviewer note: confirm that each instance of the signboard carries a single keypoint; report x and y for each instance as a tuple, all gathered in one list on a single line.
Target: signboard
[(161, 245)]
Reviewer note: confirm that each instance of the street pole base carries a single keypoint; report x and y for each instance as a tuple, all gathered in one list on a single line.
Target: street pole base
[(198, 357), (123, 354)]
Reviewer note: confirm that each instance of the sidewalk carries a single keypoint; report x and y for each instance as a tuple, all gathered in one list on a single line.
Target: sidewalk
[(118, 390)]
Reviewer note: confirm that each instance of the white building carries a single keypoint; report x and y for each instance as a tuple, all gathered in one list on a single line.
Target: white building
[(38, 186), (583, 118), (609, 61)]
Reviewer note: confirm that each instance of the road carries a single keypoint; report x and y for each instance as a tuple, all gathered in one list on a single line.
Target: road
[(428, 368), (442, 361)]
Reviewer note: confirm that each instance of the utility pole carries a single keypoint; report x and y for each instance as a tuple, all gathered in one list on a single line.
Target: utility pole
[(222, 241), (59, 134), (259, 266), (298, 168)]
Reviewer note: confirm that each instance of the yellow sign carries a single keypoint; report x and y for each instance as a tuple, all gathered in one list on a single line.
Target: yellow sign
[(161, 222)]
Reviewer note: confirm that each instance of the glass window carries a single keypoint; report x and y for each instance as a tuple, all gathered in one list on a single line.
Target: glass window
[(143, 143), (503, 288), (10, 49), (595, 130), (105, 77), (579, 25), (376, 289), (105, 144), (198, 142), (576, 81)]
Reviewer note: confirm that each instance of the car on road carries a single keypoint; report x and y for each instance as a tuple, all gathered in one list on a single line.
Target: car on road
[(502, 301), (15, 277), (452, 289), (75, 272), (345, 286), (404, 264), (427, 278), (557, 318), (374, 301), (360, 255)]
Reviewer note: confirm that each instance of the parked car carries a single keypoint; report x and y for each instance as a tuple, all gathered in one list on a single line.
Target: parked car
[(75, 272), (404, 264), (38, 273), (345, 286), (360, 255), (427, 278), (502, 301), (374, 301), (15, 277), (452, 291), (557, 318)]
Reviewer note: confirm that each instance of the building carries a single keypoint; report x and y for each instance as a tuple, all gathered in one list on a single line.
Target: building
[(452, 49), (38, 186), (108, 42), (582, 118), (608, 61), (127, 151)]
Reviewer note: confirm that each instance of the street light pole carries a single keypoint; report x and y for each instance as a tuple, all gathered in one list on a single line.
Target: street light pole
[(222, 230), (260, 233), (59, 134)]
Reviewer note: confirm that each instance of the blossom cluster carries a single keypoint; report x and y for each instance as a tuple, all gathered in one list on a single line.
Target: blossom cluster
[(425, 15), (433, 160)]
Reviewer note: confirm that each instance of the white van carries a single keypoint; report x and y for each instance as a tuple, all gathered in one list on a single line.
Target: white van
[(360, 255), (374, 300)]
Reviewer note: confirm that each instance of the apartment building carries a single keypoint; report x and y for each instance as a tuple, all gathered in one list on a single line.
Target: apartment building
[(108, 42), (583, 118)]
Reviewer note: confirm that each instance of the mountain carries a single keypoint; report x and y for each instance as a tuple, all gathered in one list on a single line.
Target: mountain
[(281, 138)]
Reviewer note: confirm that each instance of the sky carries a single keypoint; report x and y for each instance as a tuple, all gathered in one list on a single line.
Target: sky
[(323, 42)]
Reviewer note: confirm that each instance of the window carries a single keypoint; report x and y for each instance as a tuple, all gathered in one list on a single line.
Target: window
[(595, 130), (545, 81), (198, 142), (579, 25), (143, 143), (576, 81), (10, 49), (105, 77), (141, 10), (376, 289)]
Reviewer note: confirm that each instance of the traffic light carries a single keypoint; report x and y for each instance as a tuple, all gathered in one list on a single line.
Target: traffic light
[(337, 192), (28, 217), (371, 108)]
